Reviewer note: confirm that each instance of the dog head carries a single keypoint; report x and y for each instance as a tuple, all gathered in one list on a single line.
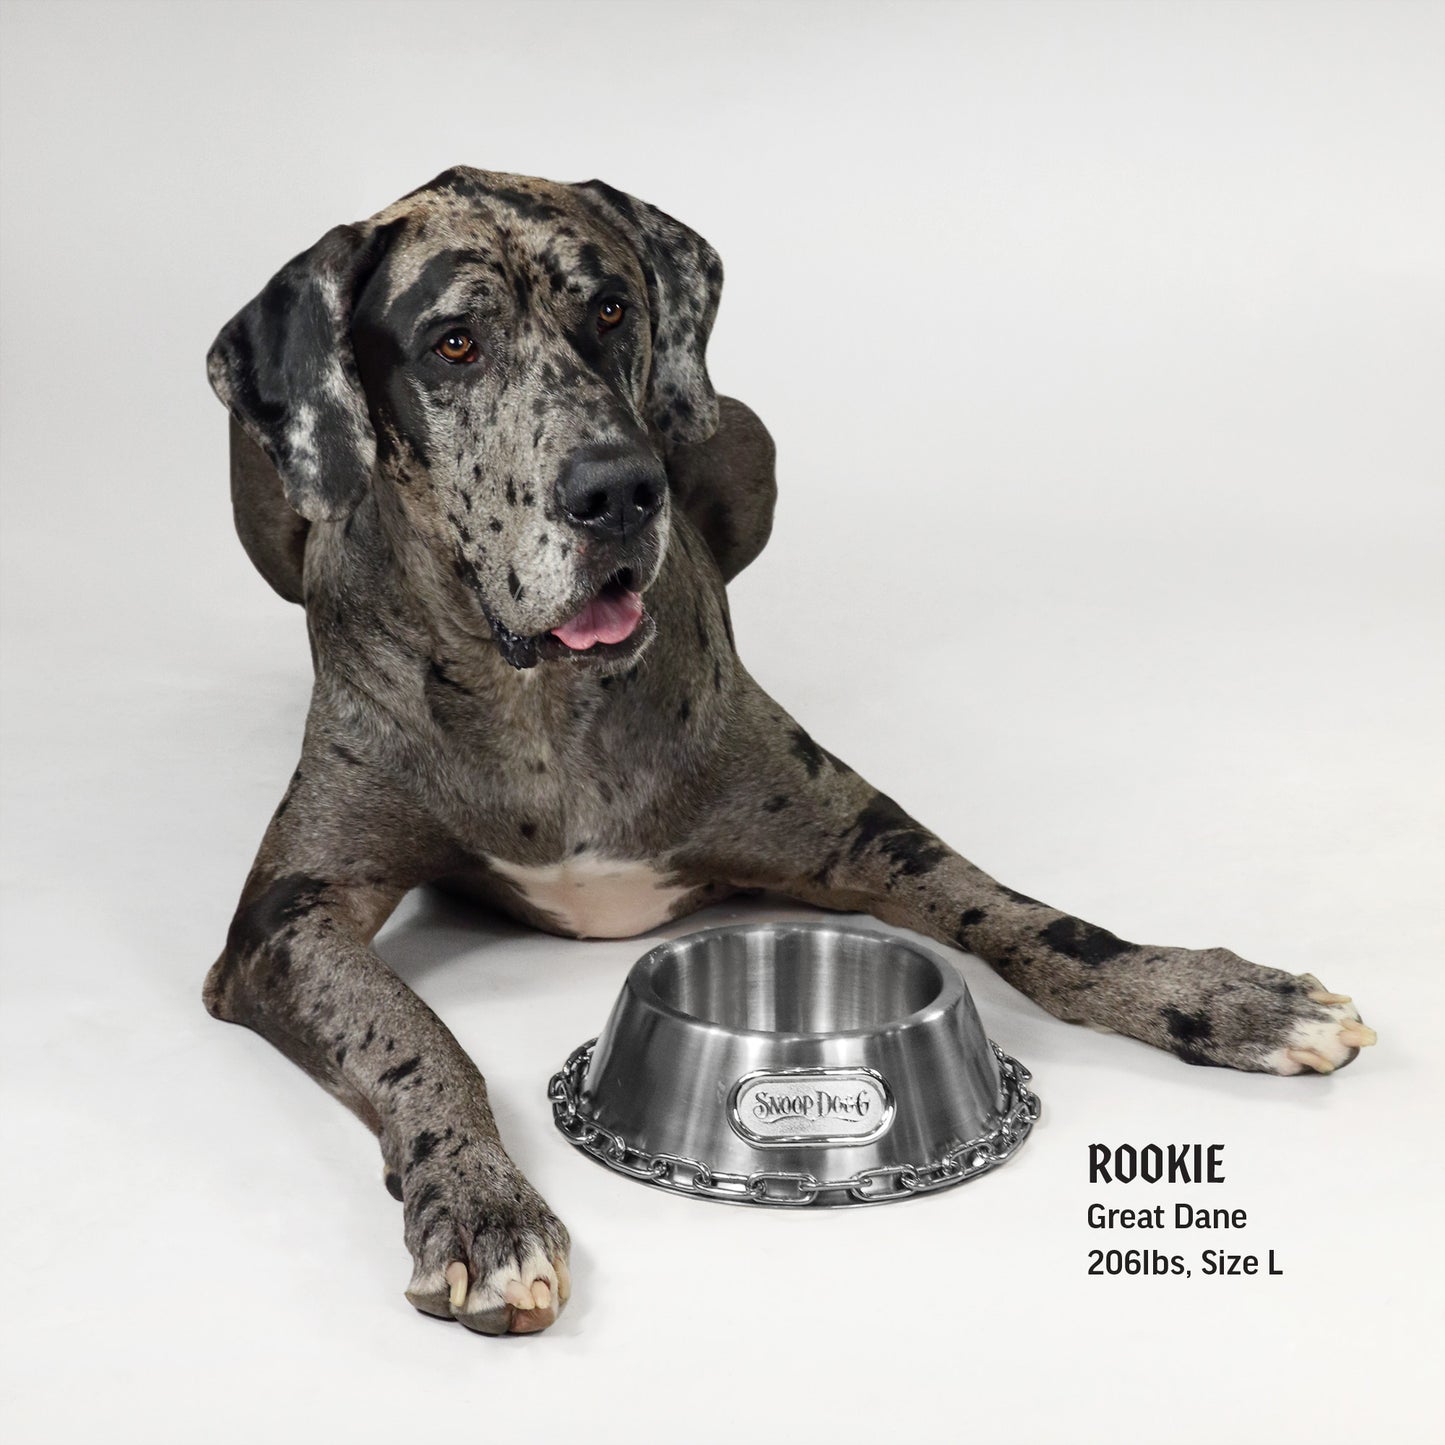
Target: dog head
[(512, 359)]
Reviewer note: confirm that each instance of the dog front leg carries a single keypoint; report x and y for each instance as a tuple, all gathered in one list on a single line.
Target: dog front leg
[(795, 820), (298, 969)]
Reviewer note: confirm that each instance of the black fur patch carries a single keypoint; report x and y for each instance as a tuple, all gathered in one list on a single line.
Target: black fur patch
[(270, 917), (438, 674), (807, 752), (534, 208), (1187, 1028), (397, 1072), (910, 848), (264, 929), (426, 1199), (1083, 941), (967, 920)]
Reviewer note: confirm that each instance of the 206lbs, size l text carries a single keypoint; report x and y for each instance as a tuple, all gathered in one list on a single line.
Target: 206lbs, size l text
[(1153, 1261)]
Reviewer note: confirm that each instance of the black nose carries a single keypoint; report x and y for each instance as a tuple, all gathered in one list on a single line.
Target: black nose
[(612, 491)]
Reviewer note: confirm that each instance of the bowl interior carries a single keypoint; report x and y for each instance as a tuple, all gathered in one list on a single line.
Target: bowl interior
[(791, 979)]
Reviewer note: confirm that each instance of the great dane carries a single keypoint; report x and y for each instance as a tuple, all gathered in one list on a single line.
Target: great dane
[(476, 437)]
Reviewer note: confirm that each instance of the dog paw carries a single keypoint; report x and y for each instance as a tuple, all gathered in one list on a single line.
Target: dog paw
[(486, 1249), (1221, 1009), (1322, 1045), (521, 1295)]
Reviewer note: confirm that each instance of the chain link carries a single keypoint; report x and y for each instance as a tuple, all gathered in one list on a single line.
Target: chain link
[(787, 1188)]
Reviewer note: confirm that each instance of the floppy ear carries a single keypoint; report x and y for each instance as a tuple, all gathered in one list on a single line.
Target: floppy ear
[(684, 282), (728, 486), (284, 367)]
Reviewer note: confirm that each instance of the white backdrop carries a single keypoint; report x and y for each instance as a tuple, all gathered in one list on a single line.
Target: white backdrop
[(1103, 348)]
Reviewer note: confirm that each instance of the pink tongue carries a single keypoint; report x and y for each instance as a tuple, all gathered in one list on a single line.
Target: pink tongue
[(610, 617)]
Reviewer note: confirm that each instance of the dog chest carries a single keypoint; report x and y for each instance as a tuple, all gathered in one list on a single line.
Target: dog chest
[(593, 896)]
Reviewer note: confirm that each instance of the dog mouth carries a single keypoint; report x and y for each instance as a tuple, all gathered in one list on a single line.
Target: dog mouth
[(610, 628), (609, 618)]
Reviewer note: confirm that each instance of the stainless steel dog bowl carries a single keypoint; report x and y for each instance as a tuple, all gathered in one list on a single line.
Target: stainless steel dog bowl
[(794, 1064)]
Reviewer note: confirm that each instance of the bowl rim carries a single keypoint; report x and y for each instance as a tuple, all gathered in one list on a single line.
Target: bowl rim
[(953, 987)]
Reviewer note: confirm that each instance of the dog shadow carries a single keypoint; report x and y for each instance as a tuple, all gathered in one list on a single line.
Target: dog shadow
[(432, 930), (434, 933)]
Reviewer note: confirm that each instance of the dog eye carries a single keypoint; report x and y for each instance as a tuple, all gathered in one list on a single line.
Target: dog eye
[(456, 346), (610, 314)]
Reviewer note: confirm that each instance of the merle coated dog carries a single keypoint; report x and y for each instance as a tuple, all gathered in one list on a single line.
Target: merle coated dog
[(475, 436)]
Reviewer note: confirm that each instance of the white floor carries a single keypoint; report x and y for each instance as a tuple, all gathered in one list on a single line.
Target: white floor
[(1101, 344)]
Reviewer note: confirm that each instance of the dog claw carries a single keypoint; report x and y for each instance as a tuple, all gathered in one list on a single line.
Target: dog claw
[(1358, 1036), (564, 1280), (456, 1277), (1309, 1059), (518, 1295), (1321, 996), (541, 1294)]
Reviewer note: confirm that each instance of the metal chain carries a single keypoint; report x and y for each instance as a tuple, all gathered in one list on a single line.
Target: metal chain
[(786, 1187)]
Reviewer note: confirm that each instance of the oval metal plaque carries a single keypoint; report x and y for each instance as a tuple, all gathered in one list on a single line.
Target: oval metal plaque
[(811, 1106)]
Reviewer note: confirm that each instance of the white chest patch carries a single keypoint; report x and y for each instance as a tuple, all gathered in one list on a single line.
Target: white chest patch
[(593, 896)]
